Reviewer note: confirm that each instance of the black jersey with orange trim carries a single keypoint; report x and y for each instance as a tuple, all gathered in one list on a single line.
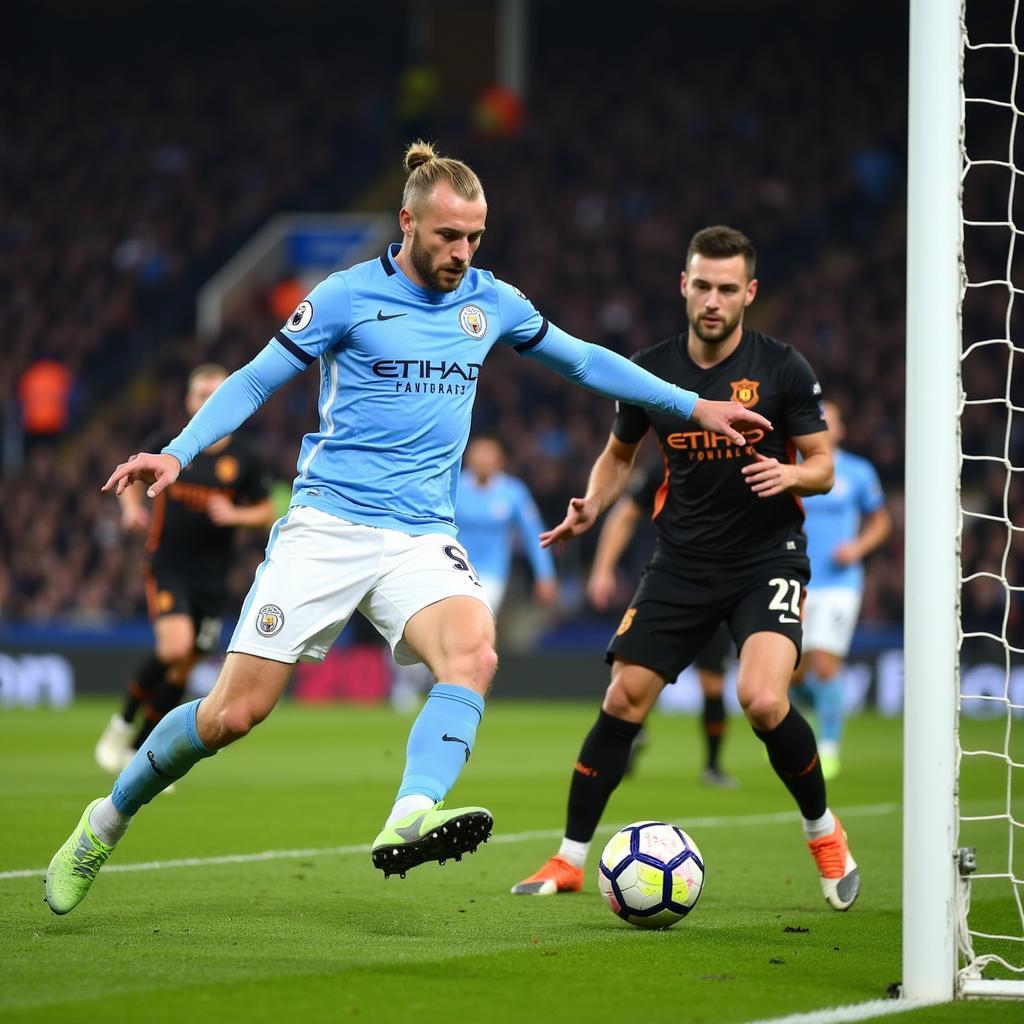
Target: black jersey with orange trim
[(182, 536), (704, 509)]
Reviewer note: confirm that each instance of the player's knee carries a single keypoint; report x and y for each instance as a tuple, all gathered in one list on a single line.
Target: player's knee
[(479, 665), (621, 702), (712, 684), (824, 665), (174, 650), (231, 722), (472, 662), (826, 669), (764, 710)]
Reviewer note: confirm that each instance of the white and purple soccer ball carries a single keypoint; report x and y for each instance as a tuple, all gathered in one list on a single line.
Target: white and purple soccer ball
[(651, 874)]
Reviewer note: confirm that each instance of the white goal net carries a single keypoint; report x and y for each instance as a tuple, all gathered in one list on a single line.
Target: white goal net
[(990, 710)]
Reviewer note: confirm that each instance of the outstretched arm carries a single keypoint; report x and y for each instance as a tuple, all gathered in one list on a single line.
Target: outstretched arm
[(221, 414), (609, 374)]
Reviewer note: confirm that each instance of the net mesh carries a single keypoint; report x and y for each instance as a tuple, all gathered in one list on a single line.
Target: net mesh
[(991, 538)]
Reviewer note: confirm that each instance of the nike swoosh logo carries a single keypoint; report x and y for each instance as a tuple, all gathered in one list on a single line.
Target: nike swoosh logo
[(411, 832), (455, 739), (783, 618), (156, 767), (390, 316)]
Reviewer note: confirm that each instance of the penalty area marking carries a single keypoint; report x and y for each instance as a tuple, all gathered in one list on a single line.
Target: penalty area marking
[(852, 1012), (866, 811)]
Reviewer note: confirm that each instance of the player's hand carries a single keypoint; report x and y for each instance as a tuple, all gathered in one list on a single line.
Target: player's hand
[(159, 471), (601, 589), (580, 517), (545, 592), (847, 553), (134, 518), (221, 510), (727, 418), (768, 477)]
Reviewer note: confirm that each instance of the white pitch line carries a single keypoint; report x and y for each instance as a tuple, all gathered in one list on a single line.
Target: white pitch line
[(866, 811), (853, 1012)]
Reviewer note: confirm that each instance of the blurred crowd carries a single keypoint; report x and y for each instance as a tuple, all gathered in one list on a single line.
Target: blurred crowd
[(135, 161), (123, 203)]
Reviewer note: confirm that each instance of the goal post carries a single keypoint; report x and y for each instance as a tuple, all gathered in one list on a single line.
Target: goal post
[(963, 516), (932, 461)]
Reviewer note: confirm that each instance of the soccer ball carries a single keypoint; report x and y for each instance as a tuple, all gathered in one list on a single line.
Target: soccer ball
[(651, 874)]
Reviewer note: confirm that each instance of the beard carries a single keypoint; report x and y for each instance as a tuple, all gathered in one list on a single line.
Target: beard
[(420, 259), (714, 335)]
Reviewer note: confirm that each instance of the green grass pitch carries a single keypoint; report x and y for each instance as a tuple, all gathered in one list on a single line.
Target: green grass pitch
[(320, 935)]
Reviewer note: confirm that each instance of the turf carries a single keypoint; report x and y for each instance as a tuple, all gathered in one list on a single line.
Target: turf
[(321, 935)]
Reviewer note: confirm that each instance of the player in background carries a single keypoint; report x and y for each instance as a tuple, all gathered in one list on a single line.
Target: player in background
[(188, 550), (731, 549), (492, 512), (843, 528), (641, 499), (400, 341)]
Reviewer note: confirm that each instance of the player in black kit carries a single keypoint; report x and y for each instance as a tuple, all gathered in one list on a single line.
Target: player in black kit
[(645, 497), (189, 544), (730, 548)]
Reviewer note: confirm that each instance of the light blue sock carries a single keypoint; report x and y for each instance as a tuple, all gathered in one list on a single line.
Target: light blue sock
[(828, 706), (441, 740), (169, 752)]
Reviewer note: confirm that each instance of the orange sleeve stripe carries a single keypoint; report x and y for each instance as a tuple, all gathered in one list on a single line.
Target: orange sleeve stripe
[(662, 495)]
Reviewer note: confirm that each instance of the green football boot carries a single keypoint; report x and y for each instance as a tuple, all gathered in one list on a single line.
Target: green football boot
[(436, 834), (75, 866)]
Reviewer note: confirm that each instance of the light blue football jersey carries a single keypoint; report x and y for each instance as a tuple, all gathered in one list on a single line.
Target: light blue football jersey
[(833, 518), (399, 366), (490, 516)]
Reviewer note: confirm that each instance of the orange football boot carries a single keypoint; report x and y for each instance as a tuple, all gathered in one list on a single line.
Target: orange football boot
[(556, 875), (840, 878)]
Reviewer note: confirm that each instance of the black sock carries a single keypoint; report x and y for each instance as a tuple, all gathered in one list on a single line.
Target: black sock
[(599, 770), (148, 676), (793, 753), (713, 721), (165, 698)]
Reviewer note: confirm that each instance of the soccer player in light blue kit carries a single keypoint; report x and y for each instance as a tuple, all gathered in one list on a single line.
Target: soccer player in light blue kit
[(399, 342), (842, 527), (491, 511)]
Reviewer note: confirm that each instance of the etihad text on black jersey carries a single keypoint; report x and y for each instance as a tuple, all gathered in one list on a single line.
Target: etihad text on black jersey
[(708, 444)]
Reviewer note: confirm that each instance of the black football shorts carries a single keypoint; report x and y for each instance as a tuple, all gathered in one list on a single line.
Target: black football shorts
[(716, 654), (174, 593), (675, 613)]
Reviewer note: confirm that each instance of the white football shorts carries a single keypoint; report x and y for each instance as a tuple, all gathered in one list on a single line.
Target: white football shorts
[(830, 617), (319, 569)]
